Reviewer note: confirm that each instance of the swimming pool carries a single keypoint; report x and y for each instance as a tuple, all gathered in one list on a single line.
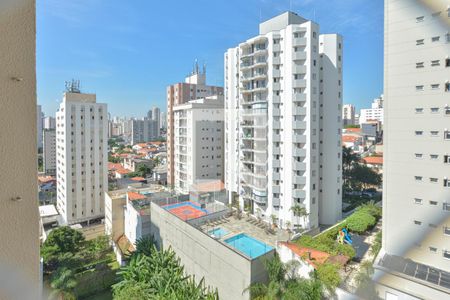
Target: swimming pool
[(218, 232), (248, 245)]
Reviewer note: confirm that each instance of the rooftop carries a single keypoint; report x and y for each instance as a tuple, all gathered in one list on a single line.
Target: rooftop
[(373, 160)]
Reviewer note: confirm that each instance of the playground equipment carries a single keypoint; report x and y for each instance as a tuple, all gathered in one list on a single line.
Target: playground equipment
[(344, 237)]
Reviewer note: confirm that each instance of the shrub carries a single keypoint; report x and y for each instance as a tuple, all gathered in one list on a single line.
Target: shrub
[(360, 221), (328, 274), (371, 209)]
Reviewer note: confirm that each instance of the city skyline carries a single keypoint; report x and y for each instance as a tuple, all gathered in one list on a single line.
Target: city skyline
[(122, 65)]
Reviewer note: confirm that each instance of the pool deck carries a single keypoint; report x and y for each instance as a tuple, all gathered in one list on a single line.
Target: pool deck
[(235, 226)]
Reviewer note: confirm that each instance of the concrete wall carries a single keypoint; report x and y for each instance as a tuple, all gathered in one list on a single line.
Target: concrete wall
[(19, 220), (114, 216), (202, 256)]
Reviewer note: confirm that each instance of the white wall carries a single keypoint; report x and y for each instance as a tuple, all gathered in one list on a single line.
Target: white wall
[(19, 220)]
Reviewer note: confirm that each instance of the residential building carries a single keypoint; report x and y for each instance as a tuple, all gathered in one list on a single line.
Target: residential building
[(81, 156), (199, 142), (19, 219), (39, 124), (49, 123), (143, 131), (283, 114), (163, 119), (193, 88), (156, 112), (373, 114), (348, 114), (49, 151), (415, 259)]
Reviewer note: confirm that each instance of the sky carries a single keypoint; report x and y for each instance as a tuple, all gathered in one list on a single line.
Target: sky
[(128, 52)]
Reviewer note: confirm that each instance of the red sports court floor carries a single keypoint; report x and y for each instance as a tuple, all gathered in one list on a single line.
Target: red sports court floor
[(186, 211)]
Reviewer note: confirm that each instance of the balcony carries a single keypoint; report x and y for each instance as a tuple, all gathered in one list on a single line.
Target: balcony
[(276, 48), (298, 125), (299, 42), (299, 152), (276, 86), (253, 112), (276, 163), (276, 176), (276, 125), (297, 193), (299, 55), (276, 138), (299, 111), (299, 97), (298, 179), (276, 111), (276, 60), (299, 69), (276, 150), (275, 201), (299, 138), (299, 83), (276, 189), (299, 166), (276, 73), (276, 99)]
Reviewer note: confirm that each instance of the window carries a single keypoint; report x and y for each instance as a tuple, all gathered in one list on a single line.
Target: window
[(435, 39), (419, 87), (447, 62), (418, 132), (419, 65), (447, 230), (417, 222), (446, 159), (446, 135), (446, 206), (446, 182), (435, 86), (434, 133), (433, 180), (419, 155), (419, 110), (433, 202), (433, 249), (419, 42), (434, 156), (434, 110), (446, 254), (417, 201), (418, 178), (447, 87), (420, 19)]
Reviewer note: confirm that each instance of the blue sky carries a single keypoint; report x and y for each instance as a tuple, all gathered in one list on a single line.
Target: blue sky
[(127, 52)]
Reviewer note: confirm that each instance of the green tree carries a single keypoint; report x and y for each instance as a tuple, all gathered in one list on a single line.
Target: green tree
[(299, 212), (63, 283), (328, 274), (349, 159), (113, 159), (365, 176)]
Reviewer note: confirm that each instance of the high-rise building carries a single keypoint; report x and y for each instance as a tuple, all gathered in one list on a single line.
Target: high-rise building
[(81, 157), (193, 88), (163, 120), (348, 114), (375, 113), (49, 123), (49, 151), (143, 131), (39, 123), (283, 107), (150, 114), (199, 142), (157, 117), (415, 259)]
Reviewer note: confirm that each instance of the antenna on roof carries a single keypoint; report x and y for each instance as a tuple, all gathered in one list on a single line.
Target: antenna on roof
[(196, 66), (204, 68), (73, 86)]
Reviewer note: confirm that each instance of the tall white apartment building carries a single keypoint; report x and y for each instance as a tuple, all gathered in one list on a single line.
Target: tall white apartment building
[(348, 114), (163, 118), (283, 108), (415, 259), (49, 151), (39, 123), (373, 114), (81, 157), (199, 142), (143, 131)]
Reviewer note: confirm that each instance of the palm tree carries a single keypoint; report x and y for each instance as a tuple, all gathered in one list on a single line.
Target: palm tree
[(299, 212), (63, 283)]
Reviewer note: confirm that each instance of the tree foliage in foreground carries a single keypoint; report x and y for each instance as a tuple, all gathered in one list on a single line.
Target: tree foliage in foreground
[(284, 284), (154, 274)]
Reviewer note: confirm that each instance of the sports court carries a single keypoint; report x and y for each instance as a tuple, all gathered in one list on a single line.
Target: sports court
[(186, 210)]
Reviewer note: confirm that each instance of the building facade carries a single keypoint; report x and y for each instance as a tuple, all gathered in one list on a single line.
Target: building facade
[(193, 88), (283, 108), (143, 131), (415, 258), (39, 124), (199, 142), (81, 157), (49, 123), (49, 151), (156, 112), (373, 114), (348, 114)]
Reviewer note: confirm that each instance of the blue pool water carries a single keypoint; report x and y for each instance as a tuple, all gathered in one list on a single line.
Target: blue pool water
[(218, 232), (188, 203), (248, 245)]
